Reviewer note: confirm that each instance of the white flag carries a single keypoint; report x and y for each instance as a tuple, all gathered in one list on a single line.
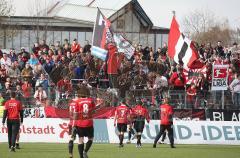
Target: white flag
[(124, 46)]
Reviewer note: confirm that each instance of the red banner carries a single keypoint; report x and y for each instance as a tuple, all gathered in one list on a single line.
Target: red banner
[(103, 113)]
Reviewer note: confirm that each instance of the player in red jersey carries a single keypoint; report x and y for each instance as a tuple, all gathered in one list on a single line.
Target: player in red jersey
[(122, 114), (166, 122), (72, 129), (84, 120), (13, 112), (140, 113)]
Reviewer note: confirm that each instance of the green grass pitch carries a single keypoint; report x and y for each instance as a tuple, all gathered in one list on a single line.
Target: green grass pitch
[(47, 150)]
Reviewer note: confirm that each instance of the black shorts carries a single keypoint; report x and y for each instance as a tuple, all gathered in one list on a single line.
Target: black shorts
[(85, 132), (139, 126), (122, 127)]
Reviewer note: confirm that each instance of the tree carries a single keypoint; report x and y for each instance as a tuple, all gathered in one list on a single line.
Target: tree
[(203, 26), (6, 9)]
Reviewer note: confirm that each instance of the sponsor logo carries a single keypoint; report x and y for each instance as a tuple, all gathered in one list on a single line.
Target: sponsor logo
[(220, 73), (64, 127), (32, 130)]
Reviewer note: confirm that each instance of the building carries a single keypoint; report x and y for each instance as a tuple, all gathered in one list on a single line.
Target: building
[(75, 19)]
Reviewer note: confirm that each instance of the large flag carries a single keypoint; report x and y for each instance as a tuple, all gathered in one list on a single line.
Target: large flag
[(124, 46), (180, 48), (102, 35)]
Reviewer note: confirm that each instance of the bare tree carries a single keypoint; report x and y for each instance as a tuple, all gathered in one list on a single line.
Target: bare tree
[(199, 21), (6, 9), (203, 26)]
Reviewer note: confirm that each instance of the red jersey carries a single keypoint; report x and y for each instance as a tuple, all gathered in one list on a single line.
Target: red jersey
[(176, 81), (166, 114), (141, 112), (75, 48), (64, 86), (72, 110), (114, 60), (13, 108), (84, 108), (131, 116), (122, 113)]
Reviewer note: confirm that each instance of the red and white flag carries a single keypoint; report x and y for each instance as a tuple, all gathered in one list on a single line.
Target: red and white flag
[(192, 74), (180, 48)]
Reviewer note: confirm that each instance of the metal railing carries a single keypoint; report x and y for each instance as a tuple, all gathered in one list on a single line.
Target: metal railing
[(152, 98)]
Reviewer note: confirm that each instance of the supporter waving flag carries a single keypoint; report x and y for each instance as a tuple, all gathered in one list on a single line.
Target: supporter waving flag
[(102, 35), (180, 48)]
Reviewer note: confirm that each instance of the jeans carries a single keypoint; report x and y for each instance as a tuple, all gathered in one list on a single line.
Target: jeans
[(236, 98), (113, 80)]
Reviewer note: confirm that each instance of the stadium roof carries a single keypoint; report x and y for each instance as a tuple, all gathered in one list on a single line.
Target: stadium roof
[(106, 4), (81, 11), (86, 10)]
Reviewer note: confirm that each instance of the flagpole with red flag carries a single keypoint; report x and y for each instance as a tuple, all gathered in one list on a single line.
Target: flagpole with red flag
[(180, 48)]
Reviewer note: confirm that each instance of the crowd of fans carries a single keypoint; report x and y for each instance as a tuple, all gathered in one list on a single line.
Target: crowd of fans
[(46, 68)]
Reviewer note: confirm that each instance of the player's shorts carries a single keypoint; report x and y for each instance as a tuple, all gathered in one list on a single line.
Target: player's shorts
[(139, 126), (85, 132), (122, 127), (70, 129)]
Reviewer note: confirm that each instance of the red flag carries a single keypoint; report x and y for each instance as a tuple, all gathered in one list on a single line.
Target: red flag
[(180, 48)]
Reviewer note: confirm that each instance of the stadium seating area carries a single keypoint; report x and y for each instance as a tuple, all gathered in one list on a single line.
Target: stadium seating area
[(49, 74)]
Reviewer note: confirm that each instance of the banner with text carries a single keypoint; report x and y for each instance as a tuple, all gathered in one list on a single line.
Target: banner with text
[(189, 114), (220, 77), (189, 132), (52, 130), (185, 132), (222, 115)]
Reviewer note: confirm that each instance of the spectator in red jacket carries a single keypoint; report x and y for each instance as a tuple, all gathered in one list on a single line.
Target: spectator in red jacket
[(113, 64), (64, 86), (191, 95), (75, 48), (178, 79), (26, 89)]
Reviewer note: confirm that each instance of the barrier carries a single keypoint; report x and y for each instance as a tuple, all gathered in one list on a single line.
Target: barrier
[(112, 97), (185, 132), (222, 115)]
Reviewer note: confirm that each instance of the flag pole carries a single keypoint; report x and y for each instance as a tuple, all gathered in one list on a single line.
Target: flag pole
[(174, 13)]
